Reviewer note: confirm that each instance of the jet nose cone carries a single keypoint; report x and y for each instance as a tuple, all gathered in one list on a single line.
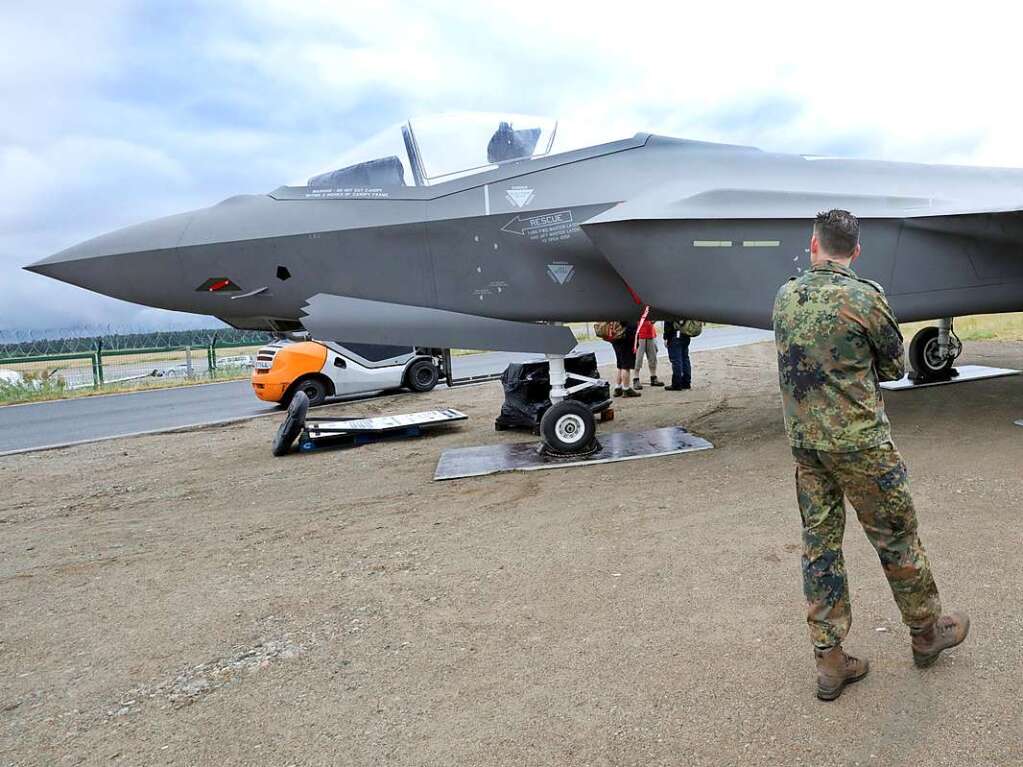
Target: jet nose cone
[(130, 263), (39, 267)]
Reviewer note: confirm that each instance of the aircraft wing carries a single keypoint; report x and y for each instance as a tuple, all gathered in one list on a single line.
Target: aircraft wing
[(728, 250)]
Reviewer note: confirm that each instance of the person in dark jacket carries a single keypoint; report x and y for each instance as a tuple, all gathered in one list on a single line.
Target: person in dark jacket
[(678, 354), (625, 360)]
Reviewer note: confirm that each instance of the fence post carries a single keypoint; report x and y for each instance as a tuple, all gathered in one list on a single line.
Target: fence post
[(188, 361), (97, 364), (211, 352)]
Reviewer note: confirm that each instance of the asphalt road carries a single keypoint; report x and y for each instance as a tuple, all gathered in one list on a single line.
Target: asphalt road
[(87, 419)]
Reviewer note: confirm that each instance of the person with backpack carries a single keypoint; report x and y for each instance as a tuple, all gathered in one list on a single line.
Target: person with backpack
[(622, 337), (677, 336)]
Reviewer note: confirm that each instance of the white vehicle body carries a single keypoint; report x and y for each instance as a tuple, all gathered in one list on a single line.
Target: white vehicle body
[(345, 370)]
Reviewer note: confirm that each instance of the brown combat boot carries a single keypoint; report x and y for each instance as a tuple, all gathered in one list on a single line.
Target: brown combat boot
[(942, 634), (835, 670)]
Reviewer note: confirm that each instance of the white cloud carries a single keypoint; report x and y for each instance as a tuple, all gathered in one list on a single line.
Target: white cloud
[(915, 80)]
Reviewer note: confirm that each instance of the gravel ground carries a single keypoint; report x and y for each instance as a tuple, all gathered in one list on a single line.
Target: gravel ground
[(188, 599)]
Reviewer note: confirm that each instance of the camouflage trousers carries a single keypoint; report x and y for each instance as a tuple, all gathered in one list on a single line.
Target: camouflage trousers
[(877, 485)]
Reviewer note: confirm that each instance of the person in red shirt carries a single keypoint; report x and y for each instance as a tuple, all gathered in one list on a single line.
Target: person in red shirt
[(647, 346)]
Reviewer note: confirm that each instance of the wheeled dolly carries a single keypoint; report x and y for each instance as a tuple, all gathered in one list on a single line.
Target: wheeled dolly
[(325, 434)]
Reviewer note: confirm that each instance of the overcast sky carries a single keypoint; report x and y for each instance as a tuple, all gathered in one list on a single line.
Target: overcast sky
[(117, 111)]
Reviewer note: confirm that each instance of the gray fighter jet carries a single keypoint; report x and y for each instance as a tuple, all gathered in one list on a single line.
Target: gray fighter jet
[(488, 232)]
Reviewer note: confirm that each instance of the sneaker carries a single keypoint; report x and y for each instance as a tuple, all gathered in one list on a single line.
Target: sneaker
[(630, 392), (618, 391), (636, 384), (655, 382), (674, 388)]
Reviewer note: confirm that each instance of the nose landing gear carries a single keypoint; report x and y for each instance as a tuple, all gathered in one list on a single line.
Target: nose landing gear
[(568, 427), (933, 352)]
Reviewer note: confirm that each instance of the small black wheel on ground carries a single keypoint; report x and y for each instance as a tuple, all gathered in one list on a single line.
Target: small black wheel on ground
[(422, 376), (293, 424), (925, 357), (568, 427)]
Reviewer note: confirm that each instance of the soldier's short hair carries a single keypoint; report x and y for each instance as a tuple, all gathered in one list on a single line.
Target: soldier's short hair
[(838, 232)]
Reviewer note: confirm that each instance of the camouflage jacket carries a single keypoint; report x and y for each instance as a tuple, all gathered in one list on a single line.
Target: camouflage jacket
[(837, 338)]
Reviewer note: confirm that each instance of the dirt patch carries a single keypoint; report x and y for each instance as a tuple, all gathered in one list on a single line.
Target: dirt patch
[(188, 599)]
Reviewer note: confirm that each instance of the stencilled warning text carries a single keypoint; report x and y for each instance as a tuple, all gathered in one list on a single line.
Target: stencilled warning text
[(543, 227)]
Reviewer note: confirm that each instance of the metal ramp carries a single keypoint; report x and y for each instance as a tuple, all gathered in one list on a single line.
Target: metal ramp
[(321, 434), (964, 373), (526, 456)]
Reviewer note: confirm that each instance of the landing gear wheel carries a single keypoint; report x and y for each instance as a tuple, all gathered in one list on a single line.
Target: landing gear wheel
[(926, 359), (568, 428), (422, 376), (293, 424), (314, 389)]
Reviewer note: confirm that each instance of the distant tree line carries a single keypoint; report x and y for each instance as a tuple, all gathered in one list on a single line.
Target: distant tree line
[(33, 347)]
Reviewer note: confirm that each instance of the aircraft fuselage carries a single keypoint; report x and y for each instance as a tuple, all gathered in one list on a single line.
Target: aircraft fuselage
[(692, 229)]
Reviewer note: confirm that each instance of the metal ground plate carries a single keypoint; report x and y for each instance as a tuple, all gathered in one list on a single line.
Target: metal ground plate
[(524, 456), (966, 373), (385, 422)]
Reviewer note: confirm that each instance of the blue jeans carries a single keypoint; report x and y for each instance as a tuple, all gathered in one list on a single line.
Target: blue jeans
[(681, 367)]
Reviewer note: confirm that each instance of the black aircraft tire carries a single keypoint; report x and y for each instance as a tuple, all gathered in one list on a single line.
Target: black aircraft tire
[(293, 424), (568, 427), (923, 356), (422, 376), (314, 389)]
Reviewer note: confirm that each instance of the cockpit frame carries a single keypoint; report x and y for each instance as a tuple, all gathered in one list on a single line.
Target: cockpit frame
[(503, 171)]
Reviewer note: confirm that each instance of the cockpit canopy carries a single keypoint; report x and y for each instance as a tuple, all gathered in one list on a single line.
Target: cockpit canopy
[(431, 150)]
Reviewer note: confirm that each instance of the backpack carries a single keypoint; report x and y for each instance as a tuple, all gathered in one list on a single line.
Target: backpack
[(691, 328), (609, 331)]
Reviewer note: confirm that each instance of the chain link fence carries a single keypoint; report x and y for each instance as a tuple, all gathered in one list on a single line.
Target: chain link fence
[(47, 364)]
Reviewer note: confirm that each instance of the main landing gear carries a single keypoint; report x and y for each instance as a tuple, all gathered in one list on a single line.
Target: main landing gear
[(568, 427), (933, 352)]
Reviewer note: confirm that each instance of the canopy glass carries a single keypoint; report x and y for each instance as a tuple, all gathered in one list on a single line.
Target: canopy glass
[(432, 150)]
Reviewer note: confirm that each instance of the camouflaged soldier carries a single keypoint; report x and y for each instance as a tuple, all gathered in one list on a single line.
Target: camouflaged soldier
[(837, 338)]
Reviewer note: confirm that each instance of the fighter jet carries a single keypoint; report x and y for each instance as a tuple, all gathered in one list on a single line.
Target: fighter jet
[(488, 232)]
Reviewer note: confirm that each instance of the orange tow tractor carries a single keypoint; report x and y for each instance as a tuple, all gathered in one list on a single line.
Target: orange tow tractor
[(325, 369)]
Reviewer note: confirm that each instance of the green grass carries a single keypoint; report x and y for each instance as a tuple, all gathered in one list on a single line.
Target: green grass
[(983, 327), (15, 394)]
